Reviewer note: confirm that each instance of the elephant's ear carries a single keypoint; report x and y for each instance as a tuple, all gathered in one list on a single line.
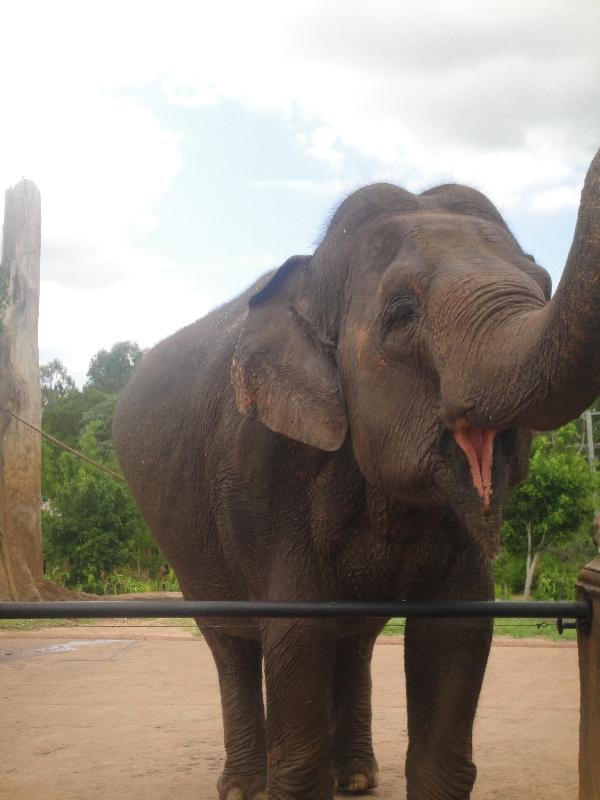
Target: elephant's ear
[(285, 367)]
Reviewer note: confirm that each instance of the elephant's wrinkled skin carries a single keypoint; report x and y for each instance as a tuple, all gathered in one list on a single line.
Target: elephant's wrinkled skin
[(350, 429)]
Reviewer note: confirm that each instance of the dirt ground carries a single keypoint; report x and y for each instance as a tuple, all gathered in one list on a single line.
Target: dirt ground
[(113, 712)]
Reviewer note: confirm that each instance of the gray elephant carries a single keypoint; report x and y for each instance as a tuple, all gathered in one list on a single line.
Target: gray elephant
[(350, 429)]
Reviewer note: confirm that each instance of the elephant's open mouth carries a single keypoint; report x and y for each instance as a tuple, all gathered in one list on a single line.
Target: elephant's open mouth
[(484, 462), (478, 446), (479, 466)]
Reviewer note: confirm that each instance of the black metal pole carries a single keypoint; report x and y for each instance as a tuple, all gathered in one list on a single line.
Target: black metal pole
[(233, 608)]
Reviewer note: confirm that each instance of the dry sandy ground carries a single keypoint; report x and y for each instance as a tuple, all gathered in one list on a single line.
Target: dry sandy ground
[(93, 713)]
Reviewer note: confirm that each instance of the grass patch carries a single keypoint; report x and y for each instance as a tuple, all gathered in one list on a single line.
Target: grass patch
[(527, 628), (40, 624), (513, 628), (394, 627), (180, 622), (130, 622)]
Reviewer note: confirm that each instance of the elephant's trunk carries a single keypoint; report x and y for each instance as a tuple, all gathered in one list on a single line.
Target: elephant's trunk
[(565, 352), (542, 366)]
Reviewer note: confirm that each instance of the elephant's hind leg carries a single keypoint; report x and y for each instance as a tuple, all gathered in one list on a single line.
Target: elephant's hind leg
[(355, 767), (239, 663)]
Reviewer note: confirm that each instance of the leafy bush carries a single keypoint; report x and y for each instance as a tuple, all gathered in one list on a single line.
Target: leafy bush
[(552, 509), (94, 537), (509, 574), (91, 527), (91, 524), (556, 585), (119, 583)]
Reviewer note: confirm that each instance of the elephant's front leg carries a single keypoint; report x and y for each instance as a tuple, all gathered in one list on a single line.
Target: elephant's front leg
[(354, 763), (445, 661), (298, 675)]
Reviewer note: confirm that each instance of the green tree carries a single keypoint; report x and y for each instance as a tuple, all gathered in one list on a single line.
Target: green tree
[(554, 504), (55, 381), (65, 414), (51, 475), (65, 417), (110, 370), (92, 525)]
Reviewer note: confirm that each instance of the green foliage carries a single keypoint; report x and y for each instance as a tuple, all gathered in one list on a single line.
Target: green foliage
[(94, 537), (556, 585), (101, 412), (560, 568), (124, 583), (509, 574), (93, 523), (65, 416), (556, 504), (55, 381), (110, 370), (50, 472), (557, 497)]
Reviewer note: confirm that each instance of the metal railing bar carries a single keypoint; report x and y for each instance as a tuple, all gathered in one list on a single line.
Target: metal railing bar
[(234, 608)]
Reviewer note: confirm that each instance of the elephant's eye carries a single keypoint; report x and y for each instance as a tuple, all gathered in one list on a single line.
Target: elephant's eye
[(400, 312)]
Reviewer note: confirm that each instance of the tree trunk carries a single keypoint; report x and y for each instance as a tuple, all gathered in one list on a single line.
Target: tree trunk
[(21, 574), (531, 563), (20, 538)]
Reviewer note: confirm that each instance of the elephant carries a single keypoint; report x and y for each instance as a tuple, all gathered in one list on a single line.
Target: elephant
[(350, 428)]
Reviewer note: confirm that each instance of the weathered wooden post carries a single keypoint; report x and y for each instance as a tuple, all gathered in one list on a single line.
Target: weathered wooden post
[(21, 574), (588, 643)]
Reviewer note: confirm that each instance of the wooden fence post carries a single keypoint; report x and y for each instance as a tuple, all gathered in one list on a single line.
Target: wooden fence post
[(21, 576), (588, 644)]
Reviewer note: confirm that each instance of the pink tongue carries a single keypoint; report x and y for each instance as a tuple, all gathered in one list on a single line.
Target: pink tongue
[(478, 446)]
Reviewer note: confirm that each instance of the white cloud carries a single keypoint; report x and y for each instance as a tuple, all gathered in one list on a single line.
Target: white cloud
[(96, 263), (100, 163), (418, 87), (145, 302), (188, 96), (557, 199), (504, 95), (321, 145), (100, 160), (76, 322), (331, 188)]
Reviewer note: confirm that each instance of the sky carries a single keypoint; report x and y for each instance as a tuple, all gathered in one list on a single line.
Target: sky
[(184, 149)]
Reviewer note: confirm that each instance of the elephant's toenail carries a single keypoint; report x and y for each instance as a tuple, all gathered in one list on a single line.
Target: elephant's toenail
[(358, 782), (235, 794)]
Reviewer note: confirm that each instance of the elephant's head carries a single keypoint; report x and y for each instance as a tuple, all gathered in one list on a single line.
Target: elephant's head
[(420, 329)]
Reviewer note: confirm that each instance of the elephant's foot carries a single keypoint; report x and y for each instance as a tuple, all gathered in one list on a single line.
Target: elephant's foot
[(242, 787), (450, 776), (356, 775)]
